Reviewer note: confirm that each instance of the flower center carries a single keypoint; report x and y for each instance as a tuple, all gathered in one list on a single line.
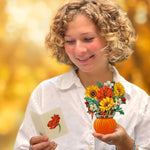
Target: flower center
[(93, 93), (106, 104)]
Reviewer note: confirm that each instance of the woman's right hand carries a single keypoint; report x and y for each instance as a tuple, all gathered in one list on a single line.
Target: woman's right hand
[(42, 143)]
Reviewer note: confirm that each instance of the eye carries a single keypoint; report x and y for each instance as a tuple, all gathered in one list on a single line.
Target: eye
[(69, 41), (89, 39)]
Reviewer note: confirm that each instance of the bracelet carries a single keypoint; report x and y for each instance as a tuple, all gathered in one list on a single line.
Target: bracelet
[(134, 146)]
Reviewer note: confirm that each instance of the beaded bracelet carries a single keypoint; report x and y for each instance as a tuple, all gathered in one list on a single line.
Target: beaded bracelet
[(134, 146)]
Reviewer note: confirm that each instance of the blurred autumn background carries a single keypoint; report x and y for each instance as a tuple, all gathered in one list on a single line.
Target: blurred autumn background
[(24, 61)]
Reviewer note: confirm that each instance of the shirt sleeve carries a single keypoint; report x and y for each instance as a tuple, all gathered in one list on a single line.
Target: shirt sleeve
[(27, 129), (142, 130)]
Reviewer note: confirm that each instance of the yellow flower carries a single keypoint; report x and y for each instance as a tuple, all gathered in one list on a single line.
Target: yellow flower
[(119, 89), (106, 104), (91, 91)]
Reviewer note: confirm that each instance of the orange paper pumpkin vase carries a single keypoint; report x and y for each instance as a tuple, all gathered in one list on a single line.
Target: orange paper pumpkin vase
[(105, 125)]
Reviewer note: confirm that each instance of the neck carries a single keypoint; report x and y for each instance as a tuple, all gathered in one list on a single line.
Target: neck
[(90, 78)]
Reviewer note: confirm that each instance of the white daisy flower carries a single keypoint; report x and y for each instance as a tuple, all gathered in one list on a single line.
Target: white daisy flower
[(109, 84), (118, 101), (93, 107)]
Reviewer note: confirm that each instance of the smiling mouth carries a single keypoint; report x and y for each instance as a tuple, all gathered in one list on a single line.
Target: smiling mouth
[(85, 60)]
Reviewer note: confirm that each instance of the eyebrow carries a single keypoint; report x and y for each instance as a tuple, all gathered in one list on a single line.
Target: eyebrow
[(81, 34), (68, 35)]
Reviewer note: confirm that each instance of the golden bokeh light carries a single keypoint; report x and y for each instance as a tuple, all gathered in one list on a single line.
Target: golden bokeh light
[(24, 61)]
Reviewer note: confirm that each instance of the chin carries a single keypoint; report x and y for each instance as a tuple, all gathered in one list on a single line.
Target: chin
[(86, 69)]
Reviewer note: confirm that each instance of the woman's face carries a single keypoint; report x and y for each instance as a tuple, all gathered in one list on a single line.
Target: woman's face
[(84, 45)]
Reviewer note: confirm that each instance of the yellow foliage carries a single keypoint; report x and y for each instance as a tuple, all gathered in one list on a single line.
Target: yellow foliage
[(24, 63)]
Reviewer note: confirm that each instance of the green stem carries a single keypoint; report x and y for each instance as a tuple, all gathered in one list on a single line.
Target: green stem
[(59, 127)]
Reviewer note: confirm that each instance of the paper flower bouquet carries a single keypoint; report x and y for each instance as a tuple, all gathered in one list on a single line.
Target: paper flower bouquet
[(104, 101)]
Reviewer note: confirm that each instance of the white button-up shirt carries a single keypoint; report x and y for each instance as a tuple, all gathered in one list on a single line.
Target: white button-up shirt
[(67, 92)]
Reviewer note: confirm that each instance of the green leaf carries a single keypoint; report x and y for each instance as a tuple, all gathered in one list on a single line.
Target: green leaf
[(121, 112), (108, 113), (86, 98), (114, 112), (99, 84), (96, 102), (98, 115)]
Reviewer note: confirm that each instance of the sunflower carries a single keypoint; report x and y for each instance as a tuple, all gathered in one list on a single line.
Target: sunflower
[(119, 89), (106, 104), (91, 91)]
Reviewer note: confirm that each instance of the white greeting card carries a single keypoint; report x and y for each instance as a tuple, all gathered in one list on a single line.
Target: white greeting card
[(51, 123)]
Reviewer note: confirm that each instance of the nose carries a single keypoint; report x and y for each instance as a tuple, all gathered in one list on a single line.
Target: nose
[(80, 48)]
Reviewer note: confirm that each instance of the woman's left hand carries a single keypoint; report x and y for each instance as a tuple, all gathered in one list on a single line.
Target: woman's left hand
[(120, 138)]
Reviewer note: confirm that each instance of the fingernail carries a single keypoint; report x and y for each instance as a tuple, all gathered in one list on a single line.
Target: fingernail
[(47, 142), (53, 142), (45, 137)]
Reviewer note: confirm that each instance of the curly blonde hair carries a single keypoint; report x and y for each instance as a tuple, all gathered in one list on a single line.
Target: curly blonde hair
[(111, 21)]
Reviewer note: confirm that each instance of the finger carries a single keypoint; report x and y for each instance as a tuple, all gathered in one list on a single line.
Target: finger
[(103, 137), (100, 136), (107, 138), (53, 145), (48, 148), (41, 146), (38, 139), (116, 135)]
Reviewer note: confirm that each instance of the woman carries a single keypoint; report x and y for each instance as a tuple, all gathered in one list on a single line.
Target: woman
[(91, 36)]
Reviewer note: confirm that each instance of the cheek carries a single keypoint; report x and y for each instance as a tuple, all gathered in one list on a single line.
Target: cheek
[(95, 46), (68, 50)]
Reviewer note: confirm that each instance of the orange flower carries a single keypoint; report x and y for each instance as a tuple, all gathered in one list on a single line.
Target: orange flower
[(104, 92), (104, 115)]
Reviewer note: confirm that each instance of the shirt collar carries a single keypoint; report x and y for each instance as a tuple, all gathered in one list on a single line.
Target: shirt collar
[(118, 78), (70, 78)]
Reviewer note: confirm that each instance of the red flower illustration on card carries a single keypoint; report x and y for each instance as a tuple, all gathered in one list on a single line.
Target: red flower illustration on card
[(52, 124)]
